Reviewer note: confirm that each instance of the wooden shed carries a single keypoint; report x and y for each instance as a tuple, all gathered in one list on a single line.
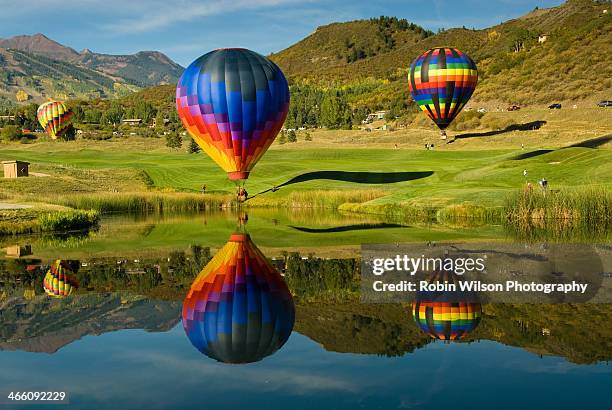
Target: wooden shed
[(18, 251), (15, 169)]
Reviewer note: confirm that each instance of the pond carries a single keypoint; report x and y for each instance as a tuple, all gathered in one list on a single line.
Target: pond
[(127, 316)]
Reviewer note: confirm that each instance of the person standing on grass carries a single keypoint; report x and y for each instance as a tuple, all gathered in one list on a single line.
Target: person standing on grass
[(525, 173), (242, 194)]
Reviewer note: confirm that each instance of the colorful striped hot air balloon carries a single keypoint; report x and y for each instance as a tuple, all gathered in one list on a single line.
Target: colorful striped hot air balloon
[(239, 308), (446, 315), (441, 81), (58, 281), (445, 320), (54, 117), (233, 102)]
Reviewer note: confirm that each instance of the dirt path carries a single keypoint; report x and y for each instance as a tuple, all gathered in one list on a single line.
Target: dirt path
[(4, 205)]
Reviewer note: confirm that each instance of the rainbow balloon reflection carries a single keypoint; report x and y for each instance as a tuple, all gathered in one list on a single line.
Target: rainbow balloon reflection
[(239, 308)]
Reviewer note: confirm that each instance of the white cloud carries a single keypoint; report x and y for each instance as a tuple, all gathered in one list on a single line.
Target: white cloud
[(158, 14)]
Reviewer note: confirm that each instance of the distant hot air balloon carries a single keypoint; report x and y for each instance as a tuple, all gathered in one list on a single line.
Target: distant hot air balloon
[(59, 281), (441, 81), (446, 315), (233, 102), (54, 117), (446, 320), (239, 308)]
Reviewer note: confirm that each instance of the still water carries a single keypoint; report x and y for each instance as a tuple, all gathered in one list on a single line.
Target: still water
[(128, 328)]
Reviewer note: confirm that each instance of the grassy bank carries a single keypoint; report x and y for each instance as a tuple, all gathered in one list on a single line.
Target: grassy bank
[(23, 221), (591, 204), (353, 171), (570, 214), (143, 202)]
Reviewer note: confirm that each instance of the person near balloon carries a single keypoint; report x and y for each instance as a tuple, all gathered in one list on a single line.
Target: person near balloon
[(242, 194)]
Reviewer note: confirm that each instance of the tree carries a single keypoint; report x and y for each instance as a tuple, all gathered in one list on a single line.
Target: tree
[(145, 111), (335, 111), (79, 114), (69, 134), (26, 117), (113, 115), (193, 147), (160, 120), (93, 116), (11, 133), (291, 136), (307, 136), (283, 137), (174, 140)]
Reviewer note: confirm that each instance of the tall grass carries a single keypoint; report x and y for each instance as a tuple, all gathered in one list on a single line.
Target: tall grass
[(330, 199), (68, 220), (468, 214), (574, 213), (323, 199), (590, 204), (143, 202), (56, 221), (398, 212)]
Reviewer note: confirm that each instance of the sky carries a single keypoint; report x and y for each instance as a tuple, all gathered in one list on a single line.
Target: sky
[(185, 29)]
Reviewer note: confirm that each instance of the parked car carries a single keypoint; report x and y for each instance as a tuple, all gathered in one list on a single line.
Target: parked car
[(514, 108), (555, 106), (605, 103), (482, 110)]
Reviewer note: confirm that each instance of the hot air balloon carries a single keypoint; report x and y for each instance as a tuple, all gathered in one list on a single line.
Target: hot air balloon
[(54, 117), (445, 320), (59, 281), (446, 315), (239, 308), (233, 102), (441, 81)]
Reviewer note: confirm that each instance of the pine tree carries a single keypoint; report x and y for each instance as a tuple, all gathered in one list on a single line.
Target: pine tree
[(174, 140), (193, 147), (291, 136)]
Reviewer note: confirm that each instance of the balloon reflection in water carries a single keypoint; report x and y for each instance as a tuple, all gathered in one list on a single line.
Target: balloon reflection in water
[(239, 308), (446, 315), (59, 281)]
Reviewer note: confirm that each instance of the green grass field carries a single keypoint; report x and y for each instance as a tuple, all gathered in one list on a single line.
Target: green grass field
[(483, 177), (481, 167)]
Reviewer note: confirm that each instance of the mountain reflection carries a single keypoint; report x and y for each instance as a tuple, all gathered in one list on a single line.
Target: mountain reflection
[(322, 294)]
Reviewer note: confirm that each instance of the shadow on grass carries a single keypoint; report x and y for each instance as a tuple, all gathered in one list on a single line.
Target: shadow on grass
[(532, 154), (593, 143), (347, 228), (529, 126), (356, 177), (359, 177)]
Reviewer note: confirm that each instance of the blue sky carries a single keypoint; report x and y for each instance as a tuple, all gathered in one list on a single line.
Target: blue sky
[(185, 29)]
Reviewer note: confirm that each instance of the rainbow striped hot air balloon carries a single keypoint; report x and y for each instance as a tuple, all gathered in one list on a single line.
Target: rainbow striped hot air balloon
[(446, 315), (233, 102), (441, 81), (239, 308), (445, 320), (58, 281), (54, 117)]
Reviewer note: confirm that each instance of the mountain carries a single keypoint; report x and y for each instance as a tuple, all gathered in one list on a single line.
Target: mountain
[(145, 68), (46, 325), (551, 54), (39, 67), (40, 44)]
